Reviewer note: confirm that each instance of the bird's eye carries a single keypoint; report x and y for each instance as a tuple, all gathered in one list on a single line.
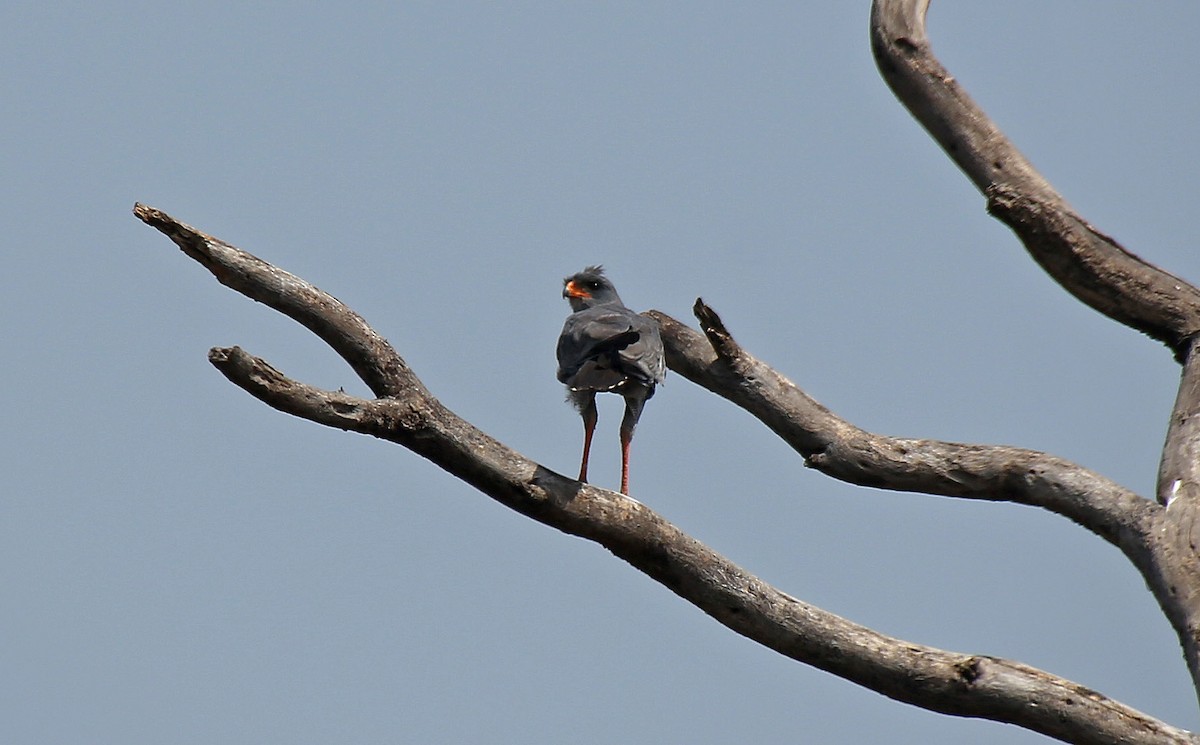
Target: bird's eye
[(593, 284)]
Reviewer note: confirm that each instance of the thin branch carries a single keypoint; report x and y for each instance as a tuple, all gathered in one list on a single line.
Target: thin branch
[(963, 685), (839, 449), (1087, 263), (372, 358)]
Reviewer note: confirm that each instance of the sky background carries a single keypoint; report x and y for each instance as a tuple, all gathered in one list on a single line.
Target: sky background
[(179, 563)]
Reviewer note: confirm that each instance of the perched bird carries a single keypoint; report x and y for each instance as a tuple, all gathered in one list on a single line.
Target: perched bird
[(606, 347)]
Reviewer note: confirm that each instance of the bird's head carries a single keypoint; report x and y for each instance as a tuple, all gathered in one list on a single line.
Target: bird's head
[(590, 288)]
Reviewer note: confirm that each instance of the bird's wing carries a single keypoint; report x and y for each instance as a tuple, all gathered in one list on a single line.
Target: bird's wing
[(643, 359), (602, 347)]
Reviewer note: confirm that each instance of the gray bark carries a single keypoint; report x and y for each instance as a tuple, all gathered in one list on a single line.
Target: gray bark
[(1092, 267), (1087, 263), (408, 414)]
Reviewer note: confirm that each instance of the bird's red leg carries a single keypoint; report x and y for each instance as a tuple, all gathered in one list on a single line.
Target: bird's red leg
[(589, 427), (626, 438), (635, 399), (587, 448)]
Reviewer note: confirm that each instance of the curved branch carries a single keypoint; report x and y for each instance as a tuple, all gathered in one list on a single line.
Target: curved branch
[(958, 684), (839, 449), (1087, 263), (1091, 266), (372, 358), (963, 685), (1159, 542)]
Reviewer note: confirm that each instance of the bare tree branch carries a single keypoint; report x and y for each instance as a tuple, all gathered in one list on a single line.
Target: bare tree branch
[(1087, 263), (1175, 572), (1091, 266), (1161, 543), (372, 358), (839, 449), (1179, 472), (963, 685)]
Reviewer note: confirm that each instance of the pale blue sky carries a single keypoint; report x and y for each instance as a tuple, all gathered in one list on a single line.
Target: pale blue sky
[(179, 563)]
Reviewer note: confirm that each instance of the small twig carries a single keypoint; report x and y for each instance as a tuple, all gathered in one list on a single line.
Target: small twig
[(718, 336)]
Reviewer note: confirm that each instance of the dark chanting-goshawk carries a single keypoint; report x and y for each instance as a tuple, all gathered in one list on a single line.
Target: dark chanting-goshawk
[(607, 348)]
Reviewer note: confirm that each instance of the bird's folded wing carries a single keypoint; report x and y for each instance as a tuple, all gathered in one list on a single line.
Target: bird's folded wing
[(599, 332), (643, 359)]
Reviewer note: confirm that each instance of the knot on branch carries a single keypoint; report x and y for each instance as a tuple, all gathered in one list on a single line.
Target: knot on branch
[(412, 418), (1019, 209), (970, 670)]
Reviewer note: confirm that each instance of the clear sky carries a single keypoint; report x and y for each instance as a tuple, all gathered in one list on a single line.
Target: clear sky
[(180, 563)]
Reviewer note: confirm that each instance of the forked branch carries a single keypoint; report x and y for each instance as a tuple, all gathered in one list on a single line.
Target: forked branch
[(958, 684), (1088, 264)]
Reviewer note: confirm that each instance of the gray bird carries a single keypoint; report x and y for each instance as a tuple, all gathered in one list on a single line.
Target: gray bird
[(606, 347)]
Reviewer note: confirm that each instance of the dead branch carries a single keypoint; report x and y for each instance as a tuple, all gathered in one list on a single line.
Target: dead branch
[(1179, 472), (962, 685), (1175, 573), (372, 358), (839, 449), (1087, 263)]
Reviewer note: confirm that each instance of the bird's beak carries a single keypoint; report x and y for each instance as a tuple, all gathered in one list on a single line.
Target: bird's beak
[(573, 290)]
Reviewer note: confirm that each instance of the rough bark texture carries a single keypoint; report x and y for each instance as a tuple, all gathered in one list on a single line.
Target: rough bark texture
[(1179, 472), (841, 450), (1086, 263), (1175, 576), (1158, 536), (960, 684)]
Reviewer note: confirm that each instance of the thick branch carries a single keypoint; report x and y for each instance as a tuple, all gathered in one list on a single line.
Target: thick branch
[(963, 685), (839, 449), (1087, 263), (1176, 578), (1179, 472), (958, 684)]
